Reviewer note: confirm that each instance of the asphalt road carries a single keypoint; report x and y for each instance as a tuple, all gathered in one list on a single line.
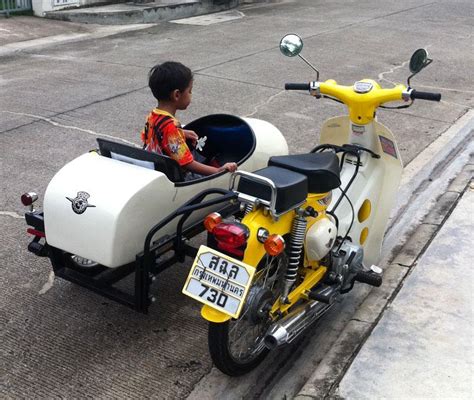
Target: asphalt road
[(55, 102)]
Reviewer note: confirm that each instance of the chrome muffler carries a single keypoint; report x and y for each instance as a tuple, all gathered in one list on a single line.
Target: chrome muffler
[(290, 327)]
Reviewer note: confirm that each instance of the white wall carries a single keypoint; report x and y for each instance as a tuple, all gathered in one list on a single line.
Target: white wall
[(41, 6)]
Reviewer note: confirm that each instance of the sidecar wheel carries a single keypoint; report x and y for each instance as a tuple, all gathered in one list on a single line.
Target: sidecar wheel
[(237, 346)]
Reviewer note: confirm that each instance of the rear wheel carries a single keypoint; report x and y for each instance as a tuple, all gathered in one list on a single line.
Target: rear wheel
[(237, 346)]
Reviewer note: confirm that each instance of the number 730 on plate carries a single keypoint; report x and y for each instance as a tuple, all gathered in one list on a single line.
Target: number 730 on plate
[(219, 281)]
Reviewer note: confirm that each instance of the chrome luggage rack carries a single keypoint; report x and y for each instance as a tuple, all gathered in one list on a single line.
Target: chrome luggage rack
[(256, 201)]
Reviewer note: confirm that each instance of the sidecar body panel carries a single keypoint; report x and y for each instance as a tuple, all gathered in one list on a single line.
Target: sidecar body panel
[(101, 208), (122, 199)]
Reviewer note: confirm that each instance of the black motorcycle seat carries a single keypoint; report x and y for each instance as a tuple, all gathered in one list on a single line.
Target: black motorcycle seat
[(291, 187), (321, 169)]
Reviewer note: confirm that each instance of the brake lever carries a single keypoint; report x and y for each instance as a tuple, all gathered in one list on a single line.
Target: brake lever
[(398, 107)]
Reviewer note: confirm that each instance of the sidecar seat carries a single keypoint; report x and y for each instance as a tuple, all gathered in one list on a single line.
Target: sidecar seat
[(321, 169), (142, 158)]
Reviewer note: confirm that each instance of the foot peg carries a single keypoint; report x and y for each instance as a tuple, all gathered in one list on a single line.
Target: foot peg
[(327, 295), (372, 277), (38, 249)]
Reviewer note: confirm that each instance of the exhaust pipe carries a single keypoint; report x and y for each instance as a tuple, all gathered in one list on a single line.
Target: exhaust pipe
[(289, 328)]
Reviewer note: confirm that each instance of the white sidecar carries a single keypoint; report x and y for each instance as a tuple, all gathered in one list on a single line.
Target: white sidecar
[(101, 206)]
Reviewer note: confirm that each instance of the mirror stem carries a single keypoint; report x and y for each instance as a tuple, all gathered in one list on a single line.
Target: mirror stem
[(307, 62), (428, 62)]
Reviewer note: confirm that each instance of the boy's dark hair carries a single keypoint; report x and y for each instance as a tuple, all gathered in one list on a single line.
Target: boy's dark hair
[(169, 76)]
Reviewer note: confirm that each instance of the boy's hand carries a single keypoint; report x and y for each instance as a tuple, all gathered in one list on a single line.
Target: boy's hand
[(191, 135), (230, 166)]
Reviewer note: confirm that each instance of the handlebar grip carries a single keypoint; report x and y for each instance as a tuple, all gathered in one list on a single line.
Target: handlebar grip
[(415, 94), (297, 86)]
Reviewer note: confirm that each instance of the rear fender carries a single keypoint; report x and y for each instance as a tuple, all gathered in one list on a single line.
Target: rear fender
[(255, 250), (212, 315), (256, 220)]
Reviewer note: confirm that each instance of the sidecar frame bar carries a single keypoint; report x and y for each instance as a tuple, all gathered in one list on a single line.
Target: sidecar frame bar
[(148, 263)]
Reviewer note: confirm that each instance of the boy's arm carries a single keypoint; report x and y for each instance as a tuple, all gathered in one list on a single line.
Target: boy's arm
[(201, 169), (204, 169), (191, 135)]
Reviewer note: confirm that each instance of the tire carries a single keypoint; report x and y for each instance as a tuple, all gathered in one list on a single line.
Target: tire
[(218, 348), (226, 357)]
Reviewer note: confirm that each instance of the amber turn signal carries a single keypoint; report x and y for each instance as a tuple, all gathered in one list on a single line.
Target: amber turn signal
[(211, 221), (274, 245)]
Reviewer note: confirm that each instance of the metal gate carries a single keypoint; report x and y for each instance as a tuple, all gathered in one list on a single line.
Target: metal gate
[(8, 6)]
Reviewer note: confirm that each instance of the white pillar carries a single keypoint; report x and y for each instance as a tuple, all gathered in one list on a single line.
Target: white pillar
[(42, 6)]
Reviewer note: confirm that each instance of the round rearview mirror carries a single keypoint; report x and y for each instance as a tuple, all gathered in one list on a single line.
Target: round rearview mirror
[(418, 60), (291, 45)]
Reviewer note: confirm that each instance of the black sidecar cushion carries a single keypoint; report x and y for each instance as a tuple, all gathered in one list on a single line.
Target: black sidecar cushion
[(229, 138), (321, 169), (129, 154), (292, 188)]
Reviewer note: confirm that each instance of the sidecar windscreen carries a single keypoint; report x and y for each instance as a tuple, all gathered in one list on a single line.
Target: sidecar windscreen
[(142, 158), (229, 138)]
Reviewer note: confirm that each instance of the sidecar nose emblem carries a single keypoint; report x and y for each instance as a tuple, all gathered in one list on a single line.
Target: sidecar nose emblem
[(79, 204)]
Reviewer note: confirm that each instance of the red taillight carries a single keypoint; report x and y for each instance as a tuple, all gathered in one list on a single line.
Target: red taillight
[(35, 232), (29, 198), (231, 238)]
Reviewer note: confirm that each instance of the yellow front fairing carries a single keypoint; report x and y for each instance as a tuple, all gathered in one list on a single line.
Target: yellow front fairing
[(362, 106)]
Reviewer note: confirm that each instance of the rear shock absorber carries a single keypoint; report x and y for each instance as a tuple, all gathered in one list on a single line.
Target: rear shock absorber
[(298, 232), (245, 209), (248, 209)]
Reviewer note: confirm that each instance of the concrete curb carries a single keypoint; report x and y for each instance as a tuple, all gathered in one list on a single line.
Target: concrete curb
[(418, 177), (323, 382), (127, 13), (101, 32)]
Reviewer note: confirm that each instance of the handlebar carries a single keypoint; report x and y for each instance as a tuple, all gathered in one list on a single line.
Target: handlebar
[(363, 98), (415, 94), (297, 86)]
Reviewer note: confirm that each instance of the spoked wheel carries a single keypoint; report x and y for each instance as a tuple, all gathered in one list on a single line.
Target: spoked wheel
[(237, 346)]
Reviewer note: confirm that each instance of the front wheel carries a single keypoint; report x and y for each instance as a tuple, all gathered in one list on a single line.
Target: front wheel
[(237, 346)]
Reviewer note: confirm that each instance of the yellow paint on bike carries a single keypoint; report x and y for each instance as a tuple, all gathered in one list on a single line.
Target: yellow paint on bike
[(312, 277), (254, 220), (364, 210), (361, 106), (213, 315), (255, 250), (363, 235)]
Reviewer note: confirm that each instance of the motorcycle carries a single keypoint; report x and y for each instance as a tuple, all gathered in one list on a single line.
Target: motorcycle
[(311, 225)]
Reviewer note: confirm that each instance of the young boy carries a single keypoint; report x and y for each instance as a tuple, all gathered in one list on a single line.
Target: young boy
[(171, 83)]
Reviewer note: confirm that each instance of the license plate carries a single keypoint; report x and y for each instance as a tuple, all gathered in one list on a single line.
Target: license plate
[(219, 281)]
